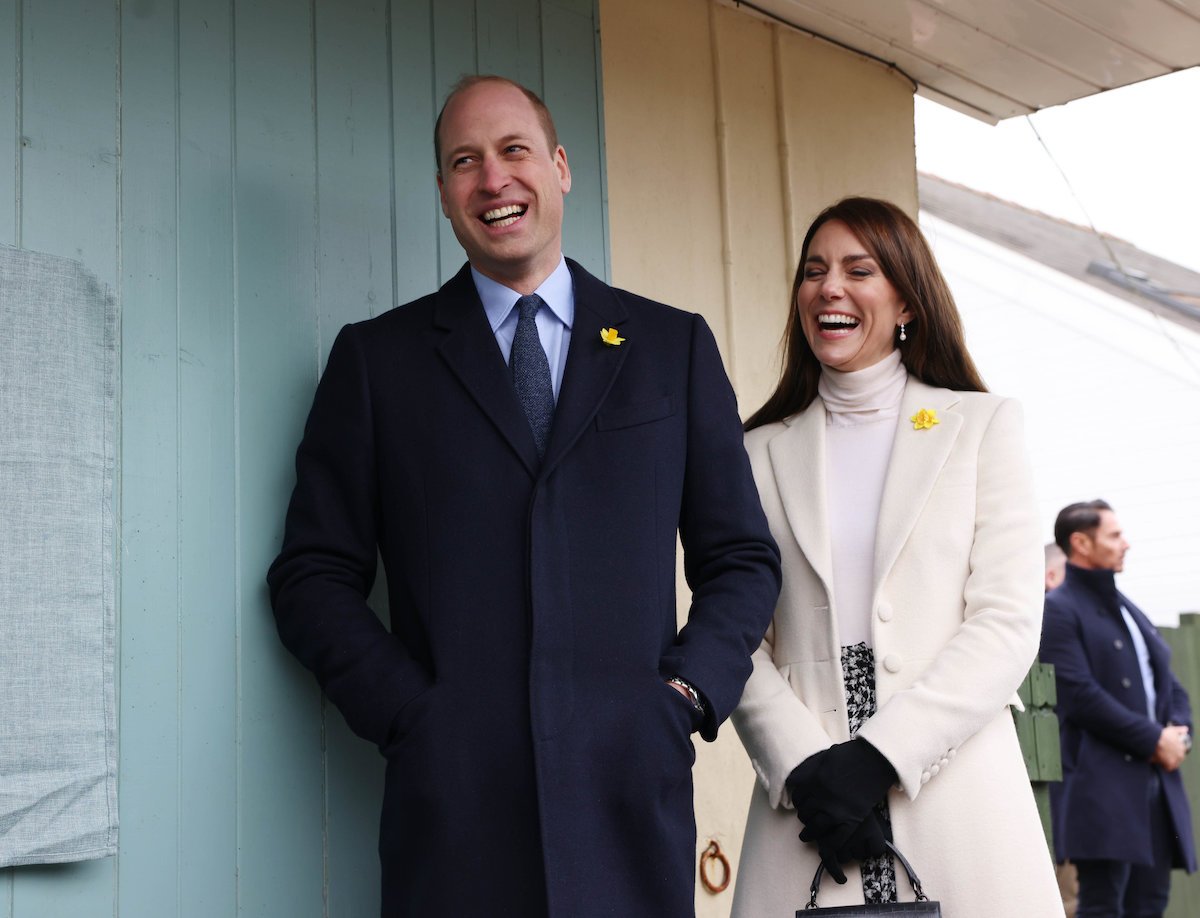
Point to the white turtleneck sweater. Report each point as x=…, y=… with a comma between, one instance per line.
x=862, y=410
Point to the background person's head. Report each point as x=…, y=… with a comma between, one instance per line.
x=1056, y=566
x=1090, y=535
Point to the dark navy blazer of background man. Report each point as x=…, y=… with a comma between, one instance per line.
x=1111, y=806
x=538, y=763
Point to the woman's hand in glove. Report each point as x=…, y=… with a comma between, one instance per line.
x=834, y=792
x=867, y=840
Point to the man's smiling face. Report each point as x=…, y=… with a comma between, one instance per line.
x=502, y=184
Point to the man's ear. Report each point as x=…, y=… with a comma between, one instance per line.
x=442, y=194
x=1080, y=543
x=564, y=171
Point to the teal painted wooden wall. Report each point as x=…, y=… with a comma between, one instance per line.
x=247, y=175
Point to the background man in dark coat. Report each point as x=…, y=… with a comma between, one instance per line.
x=1123, y=816
x=538, y=754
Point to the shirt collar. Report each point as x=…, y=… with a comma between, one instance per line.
x=557, y=291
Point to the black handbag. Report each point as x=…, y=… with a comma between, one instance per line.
x=922, y=908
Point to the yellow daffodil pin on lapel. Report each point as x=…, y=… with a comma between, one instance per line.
x=924, y=419
x=611, y=337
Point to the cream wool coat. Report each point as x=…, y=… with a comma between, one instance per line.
x=955, y=623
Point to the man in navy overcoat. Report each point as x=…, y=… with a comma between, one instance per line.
x=1122, y=815
x=533, y=696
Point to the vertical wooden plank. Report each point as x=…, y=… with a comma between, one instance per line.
x=1187, y=668
x=454, y=56
x=1023, y=721
x=1185, y=663
x=508, y=40
x=572, y=93
x=280, y=830
x=68, y=103
x=454, y=50
x=666, y=45
x=149, y=724
x=1188, y=671
x=208, y=649
x=10, y=125
x=598, y=79
x=69, y=120
x=757, y=275
x=817, y=177
x=416, y=212
x=1178, y=639
x=83, y=890
x=354, y=165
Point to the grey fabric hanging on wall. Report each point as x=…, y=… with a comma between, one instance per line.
x=58, y=757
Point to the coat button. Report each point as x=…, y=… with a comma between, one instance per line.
x=891, y=663
x=933, y=769
x=1118, y=643
x=951, y=753
x=1125, y=683
x=1128, y=757
x=924, y=777
x=884, y=612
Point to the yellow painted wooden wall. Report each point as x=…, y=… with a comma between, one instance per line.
x=725, y=134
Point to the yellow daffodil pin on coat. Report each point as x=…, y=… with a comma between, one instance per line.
x=924, y=419
x=610, y=337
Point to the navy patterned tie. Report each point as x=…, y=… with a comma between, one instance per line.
x=531, y=372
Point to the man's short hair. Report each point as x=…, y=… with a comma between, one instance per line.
x=1073, y=518
x=470, y=80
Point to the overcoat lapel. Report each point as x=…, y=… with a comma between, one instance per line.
x=916, y=461
x=798, y=464
x=592, y=366
x=471, y=352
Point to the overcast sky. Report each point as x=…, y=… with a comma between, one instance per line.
x=1131, y=154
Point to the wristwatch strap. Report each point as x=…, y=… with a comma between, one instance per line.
x=691, y=692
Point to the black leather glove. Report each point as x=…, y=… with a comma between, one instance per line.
x=834, y=791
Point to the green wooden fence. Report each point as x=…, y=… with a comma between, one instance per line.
x=1185, y=645
x=1037, y=730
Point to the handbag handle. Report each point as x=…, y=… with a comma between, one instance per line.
x=908, y=869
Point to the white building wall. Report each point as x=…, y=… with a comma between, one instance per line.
x=1112, y=403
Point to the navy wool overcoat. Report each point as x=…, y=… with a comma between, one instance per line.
x=1102, y=810
x=537, y=763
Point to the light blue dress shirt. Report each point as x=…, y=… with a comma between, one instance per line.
x=553, y=323
x=1143, y=658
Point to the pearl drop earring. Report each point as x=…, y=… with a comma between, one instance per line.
x=903, y=337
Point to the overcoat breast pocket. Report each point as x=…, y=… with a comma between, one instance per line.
x=616, y=417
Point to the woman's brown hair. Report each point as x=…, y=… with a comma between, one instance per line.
x=935, y=351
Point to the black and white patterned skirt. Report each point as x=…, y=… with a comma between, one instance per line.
x=858, y=672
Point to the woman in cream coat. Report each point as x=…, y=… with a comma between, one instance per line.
x=900, y=496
